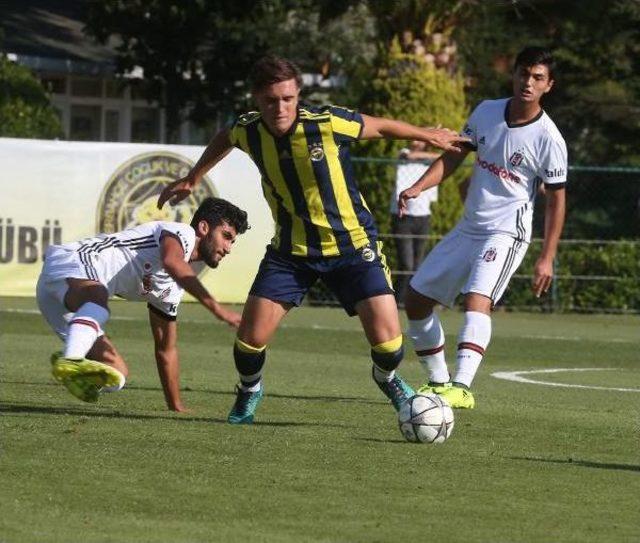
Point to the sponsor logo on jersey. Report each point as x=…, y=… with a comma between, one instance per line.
x=517, y=158
x=490, y=254
x=481, y=141
x=556, y=172
x=498, y=171
x=129, y=197
x=467, y=130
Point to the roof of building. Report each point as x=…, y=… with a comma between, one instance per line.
x=48, y=35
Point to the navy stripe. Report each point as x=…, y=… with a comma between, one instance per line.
x=283, y=220
x=327, y=194
x=365, y=219
x=292, y=180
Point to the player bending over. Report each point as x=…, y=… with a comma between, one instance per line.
x=324, y=229
x=149, y=262
x=517, y=147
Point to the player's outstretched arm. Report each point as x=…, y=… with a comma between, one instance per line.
x=442, y=138
x=554, y=214
x=437, y=172
x=165, y=337
x=219, y=147
x=173, y=262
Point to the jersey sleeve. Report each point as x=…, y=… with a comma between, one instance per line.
x=470, y=129
x=553, y=166
x=346, y=123
x=238, y=130
x=183, y=232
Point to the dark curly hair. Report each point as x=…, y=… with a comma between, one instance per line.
x=217, y=210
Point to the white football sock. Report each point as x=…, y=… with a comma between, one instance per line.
x=428, y=341
x=85, y=327
x=381, y=375
x=473, y=339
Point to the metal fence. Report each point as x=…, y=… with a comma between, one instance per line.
x=597, y=268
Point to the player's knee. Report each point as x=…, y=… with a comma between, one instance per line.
x=389, y=354
x=417, y=306
x=248, y=358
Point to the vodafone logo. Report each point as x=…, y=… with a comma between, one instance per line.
x=498, y=171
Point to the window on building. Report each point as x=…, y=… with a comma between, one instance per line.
x=145, y=125
x=85, y=123
x=86, y=86
x=54, y=84
x=112, y=125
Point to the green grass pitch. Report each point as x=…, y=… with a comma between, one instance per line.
x=325, y=460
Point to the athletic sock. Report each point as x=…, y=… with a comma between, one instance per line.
x=85, y=327
x=249, y=363
x=428, y=341
x=386, y=358
x=473, y=339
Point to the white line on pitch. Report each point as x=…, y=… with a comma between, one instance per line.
x=516, y=376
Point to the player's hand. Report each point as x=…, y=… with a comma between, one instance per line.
x=404, y=197
x=230, y=317
x=177, y=191
x=542, y=276
x=446, y=139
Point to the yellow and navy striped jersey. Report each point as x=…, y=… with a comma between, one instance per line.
x=308, y=181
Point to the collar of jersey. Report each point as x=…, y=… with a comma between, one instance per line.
x=519, y=125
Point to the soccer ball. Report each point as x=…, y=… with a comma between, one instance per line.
x=426, y=418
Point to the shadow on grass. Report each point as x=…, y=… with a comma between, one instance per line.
x=8, y=408
x=377, y=440
x=322, y=398
x=582, y=463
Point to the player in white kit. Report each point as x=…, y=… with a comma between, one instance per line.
x=151, y=263
x=518, y=148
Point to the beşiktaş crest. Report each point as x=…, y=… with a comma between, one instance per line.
x=517, y=158
x=131, y=194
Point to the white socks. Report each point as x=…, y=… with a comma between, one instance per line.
x=381, y=375
x=473, y=339
x=85, y=327
x=428, y=341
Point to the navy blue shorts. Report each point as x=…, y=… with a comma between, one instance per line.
x=354, y=277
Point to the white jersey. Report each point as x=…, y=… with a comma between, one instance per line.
x=407, y=173
x=128, y=263
x=511, y=162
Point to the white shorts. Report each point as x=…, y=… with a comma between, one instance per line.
x=59, y=264
x=461, y=264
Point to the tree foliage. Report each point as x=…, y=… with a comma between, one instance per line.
x=25, y=111
x=409, y=88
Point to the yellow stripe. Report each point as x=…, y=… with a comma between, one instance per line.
x=383, y=261
x=390, y=346
x=342, y=126
x=307, y=178
x=246, y=348
x=345, y=205
x=272, y=167
x=239, y=135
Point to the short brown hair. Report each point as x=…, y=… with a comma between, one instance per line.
x=272, y=69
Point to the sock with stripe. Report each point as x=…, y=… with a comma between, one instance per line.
x=428, y=341
x=85, y=327
x=386, y=358
x=249, y=363
x=473, y=339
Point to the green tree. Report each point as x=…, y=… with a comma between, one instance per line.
x=411, y=89
x=25, y=110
